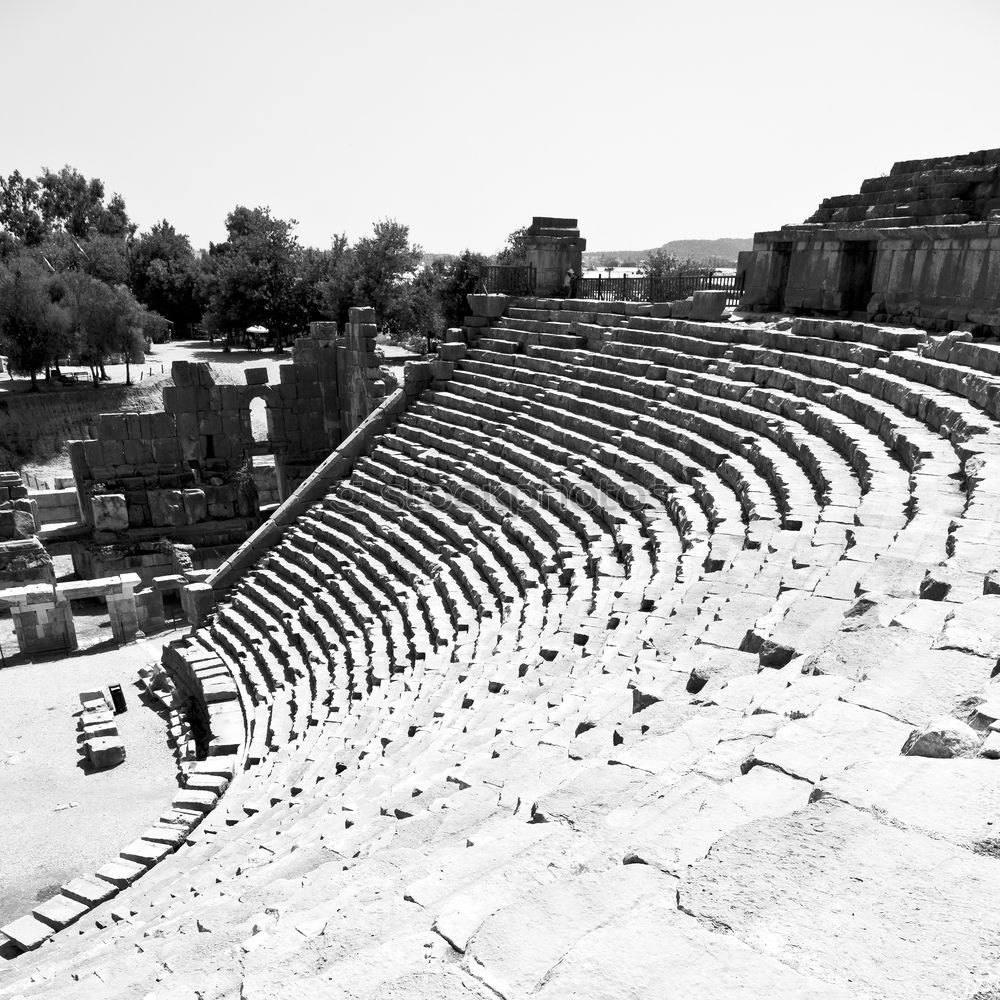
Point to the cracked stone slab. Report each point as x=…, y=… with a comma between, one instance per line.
x=973, y=628
x=680, y=826
x=836, y=894
x=835, y=736
x=657, y=951
x=957, y=800
x=899, y=675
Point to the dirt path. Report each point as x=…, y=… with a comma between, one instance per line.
x=46, y=840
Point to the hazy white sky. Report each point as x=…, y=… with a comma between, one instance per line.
x=648, y=120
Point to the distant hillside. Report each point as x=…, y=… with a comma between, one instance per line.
x=724, y=250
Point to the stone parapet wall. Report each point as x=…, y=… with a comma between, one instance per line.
x=43, y=613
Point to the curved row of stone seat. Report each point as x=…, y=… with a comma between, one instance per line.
x=760, y=502
x=775, y=415
x=973, y=441
x=764, y=458
x=546, y=437
x=466, y=781
x=930, y=465
x=539, y=348
x=874, y=417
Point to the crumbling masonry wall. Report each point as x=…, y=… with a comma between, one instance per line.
x=23, y=559
x=920, y=245
x=185, y=473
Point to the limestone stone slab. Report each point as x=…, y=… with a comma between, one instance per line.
x=145, y=852
x=973, y=628
x=809, y=623
x=89, y=890
x=829, y=891
x=679, y=826
x=120, y=873
x=835, y=736
x=105, y=751
x=60, y=911
x=27, y=932
x=658, y=951
x=957, y=799
x=514, y=964
x=899, y=674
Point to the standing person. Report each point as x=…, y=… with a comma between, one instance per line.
x=569, y=283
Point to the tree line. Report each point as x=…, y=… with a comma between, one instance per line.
x=77, y=279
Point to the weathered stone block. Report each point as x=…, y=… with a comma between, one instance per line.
x=174, y=511
x=105, y=751
x=708, y=305
x=194, y=506
x=110, y=512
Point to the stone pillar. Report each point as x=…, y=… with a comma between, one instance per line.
x=198, y=602
x=43, y=621
x=361, y=384
x=149, y=610
x=553, y=246
x=121, y=608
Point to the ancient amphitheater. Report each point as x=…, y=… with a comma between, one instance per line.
x=633, y=656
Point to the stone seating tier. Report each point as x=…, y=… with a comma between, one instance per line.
x=615, y=636
x=944, y=191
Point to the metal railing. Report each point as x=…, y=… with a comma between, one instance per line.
x=645, y=289
x=508, y=279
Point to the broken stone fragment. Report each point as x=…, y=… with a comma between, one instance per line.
x=943, y=737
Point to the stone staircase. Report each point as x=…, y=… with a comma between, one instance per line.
x=594, y=675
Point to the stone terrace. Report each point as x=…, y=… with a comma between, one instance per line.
x=593, y=680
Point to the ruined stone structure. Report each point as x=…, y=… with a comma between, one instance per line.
x=630, y=655
x=23, y=559
x=43, y=613
x=184, y=474
x=552, y=247
x=919, y=246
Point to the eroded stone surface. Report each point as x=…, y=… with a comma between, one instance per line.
x=823, y=891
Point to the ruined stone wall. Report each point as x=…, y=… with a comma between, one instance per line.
x=953, y=277
x=22, y=557
x=186, y=472
x=920, y=245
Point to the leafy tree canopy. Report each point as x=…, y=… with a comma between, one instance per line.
x=165, y=274
x=254, y=274
x=660, y=264
x=381, y=263
x=33, y=325
x=63, y=201
x=514, y=250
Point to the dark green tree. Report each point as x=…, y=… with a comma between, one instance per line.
x=254, y=276
x=105, y=321
x=165, y=275
x=67, y=200
x=660, y=265
x=460, y=278
x=20, y=213
x=33, y=327
x=514, y=250
x=382, y=263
